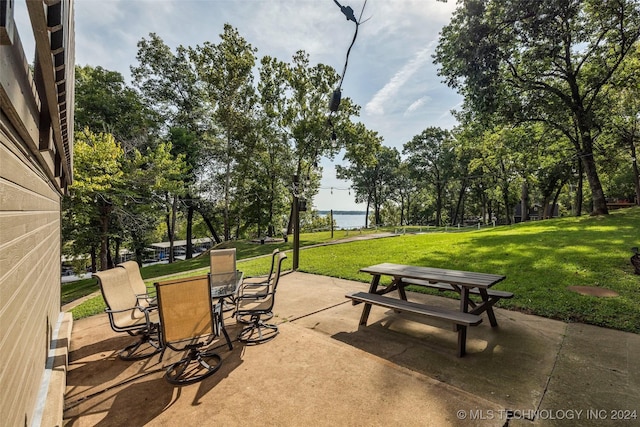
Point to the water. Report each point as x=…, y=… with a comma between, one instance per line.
x=348, y=221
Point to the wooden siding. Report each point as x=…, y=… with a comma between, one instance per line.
x=36, y=161
x=29, y=279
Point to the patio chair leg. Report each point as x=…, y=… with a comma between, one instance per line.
x=129, y=352
x=186, y=371
x=265, y=332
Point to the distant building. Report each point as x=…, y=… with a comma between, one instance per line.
x=160, y=250
x=535, y=212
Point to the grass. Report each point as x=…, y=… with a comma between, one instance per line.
x=540, y=259
x=72, y=291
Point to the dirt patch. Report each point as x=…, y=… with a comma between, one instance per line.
x=593, y=291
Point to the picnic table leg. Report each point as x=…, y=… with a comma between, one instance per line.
x=462, y=330
x=367, y=307
x=490, y=314
x=462, y=340
x=400, y=284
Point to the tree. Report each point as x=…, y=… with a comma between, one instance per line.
x=624, y=113
x=226, y=72
x=299, y=94
x=373, y=170
x=98, y=188
x=431, y=160
x=169, y=172
x=170, y=85
x=104, y=103
x=361, y=152
x=541, y=61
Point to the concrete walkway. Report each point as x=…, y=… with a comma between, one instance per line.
x=398, y=370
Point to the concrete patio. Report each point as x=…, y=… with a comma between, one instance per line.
x=322, y=369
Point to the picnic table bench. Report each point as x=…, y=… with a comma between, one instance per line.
x=463, y=282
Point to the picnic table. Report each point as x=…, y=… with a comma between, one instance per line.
x=465, y=283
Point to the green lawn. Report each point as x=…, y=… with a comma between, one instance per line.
x=540, y=259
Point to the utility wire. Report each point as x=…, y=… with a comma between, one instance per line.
x=347, y=11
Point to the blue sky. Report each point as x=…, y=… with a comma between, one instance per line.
x=390, y=73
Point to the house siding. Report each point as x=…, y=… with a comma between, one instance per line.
x=36, y=154
x=29, y=278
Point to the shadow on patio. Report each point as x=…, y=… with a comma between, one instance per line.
x=324, y=370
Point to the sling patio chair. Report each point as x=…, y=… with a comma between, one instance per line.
x=258, y=286
x=137, y=283
x=188, y=324
x=258, y=308
x=223, y=261
x=126, y=315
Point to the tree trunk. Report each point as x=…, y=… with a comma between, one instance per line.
x=212, y=230
x=636, y=176
x=438, y=205
x=190, y=209
x=555, y=198
x=524, y=202
x=172, y=235
x=117, y=251
x=171, y=223
x=366, y=217
x=505, y=199
x=290, y=222
x=227, y=185
x=458, y=216
x=376, y=208
x=104, y=236
x=579, y=190
x=93, y=259
x=597, y=193
x=110, y=263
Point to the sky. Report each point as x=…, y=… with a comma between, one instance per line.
x=390, y=72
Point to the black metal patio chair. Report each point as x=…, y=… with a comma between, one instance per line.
x=259, y=307
x=188, y=324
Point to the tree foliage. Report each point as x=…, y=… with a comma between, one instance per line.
x=546, y=61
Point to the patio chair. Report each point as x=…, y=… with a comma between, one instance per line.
x=188, y=324
x=223, y=261
x=258, y=286
x=258, y=308
x=137, y=283
x=126, y=315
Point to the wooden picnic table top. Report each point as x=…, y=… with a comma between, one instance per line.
x=431, y=274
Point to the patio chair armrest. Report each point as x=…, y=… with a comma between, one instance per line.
x=152, y=301
x=144, y=310
x=251, y=280
x=251, y=297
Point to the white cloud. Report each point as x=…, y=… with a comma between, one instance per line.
x=417, y=104
x=376, y=105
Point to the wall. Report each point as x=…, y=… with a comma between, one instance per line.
x=36, y=147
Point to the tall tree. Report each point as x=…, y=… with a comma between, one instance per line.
x=299, y=94
x=624, y=113
x=170, y=85
x=362, y=154
x=98, y=188
x=226, y=72
x=546, y=60
x=431, y=159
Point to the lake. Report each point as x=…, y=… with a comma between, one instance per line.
x=347, y=220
